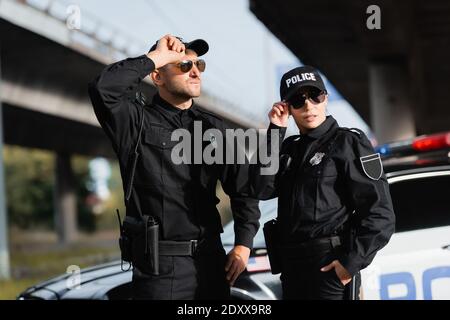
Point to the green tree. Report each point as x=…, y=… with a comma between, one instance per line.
x=30, y=181
x=29, y=176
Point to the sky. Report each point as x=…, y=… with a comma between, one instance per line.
x=245, y=62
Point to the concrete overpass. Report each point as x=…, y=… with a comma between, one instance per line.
x=45, y=68
x=396, y=77
x=45, y=71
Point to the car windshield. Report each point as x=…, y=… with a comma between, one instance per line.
x=268, y=211
x=421, y=203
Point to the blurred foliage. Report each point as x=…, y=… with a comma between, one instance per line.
x=30, y=179
x=29, y=176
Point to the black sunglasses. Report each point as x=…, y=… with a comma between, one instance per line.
x=186, y=65
x=298, y=101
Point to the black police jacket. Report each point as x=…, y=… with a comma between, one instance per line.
x=337, y=183
x=182, y=197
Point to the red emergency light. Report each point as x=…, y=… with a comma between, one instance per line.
x=432, y=142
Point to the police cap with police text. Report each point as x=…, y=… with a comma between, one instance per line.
x=199, y=46
x=299, y=77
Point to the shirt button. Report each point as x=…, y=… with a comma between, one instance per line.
x=163, y=143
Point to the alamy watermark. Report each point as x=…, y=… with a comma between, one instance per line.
x=230, y=148
x=374, y=20
x=73, y=20
x=73, y=282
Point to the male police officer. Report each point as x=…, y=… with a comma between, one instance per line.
x=330, y=184
x=181, y=198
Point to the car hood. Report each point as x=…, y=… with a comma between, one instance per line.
x=92, y=282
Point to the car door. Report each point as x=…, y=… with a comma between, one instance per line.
x=415, y=264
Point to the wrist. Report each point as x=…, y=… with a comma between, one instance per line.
x=242, y=248
x=156, y=58
x=276, y=125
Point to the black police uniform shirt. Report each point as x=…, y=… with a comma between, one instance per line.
x=182, y=197
x=324, y=177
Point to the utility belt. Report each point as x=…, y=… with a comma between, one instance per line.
x=140, y=244
x=178, y=248
x=311, y=247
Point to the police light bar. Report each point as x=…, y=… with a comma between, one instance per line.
x=395, y=148
x=419, y=144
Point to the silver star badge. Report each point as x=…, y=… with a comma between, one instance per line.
x=316, y=159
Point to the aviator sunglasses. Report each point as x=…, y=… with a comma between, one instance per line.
x=186, y=65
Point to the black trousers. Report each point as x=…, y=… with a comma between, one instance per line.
x=302, y=279
x=199, y=277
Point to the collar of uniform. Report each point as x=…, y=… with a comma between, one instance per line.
x=157, y=100
x=194, y=109
x=316, y=133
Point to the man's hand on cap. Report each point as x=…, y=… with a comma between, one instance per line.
x=168, y=50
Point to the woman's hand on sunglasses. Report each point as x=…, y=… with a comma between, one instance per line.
x=279, y=114
x=168, y=50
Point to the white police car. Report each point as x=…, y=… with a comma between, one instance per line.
x=415, y=264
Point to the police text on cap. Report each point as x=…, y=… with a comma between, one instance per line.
x=300, y=78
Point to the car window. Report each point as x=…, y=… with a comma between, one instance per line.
x=421, y=202
x=268, y=211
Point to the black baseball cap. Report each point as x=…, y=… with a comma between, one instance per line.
x=297, y=78
x=200, y=46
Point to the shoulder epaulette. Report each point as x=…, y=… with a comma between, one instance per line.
x=353, y=130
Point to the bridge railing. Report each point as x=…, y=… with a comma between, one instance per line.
x=101, y=40
x=90, y=31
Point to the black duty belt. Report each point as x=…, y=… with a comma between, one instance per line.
x=311, y=247
x=177, y=248
x=210, y=245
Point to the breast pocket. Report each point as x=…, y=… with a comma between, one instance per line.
x=327, y=179
x=156, y=149
x=159, y=137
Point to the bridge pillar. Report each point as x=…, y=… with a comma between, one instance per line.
x=390, y=102
x=65, y=200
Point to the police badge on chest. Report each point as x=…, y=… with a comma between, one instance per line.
x=317, y=158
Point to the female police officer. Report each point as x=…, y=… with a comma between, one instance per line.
x=330, y=184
